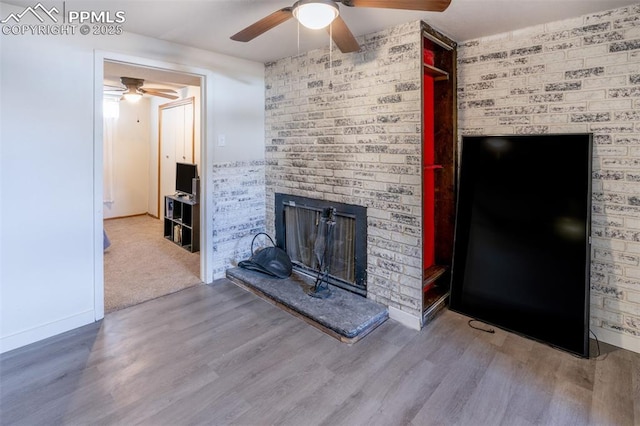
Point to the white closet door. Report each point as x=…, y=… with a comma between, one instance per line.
x=176, y=143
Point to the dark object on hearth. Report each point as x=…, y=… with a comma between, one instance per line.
x=269, y=260
x=322, y=249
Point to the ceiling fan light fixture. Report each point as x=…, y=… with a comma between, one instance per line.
x=132, y=96
x=315, y=14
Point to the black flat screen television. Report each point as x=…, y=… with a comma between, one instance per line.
x=522, y=240
x=185, y=173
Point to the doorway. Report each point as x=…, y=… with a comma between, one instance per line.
x=171, y=74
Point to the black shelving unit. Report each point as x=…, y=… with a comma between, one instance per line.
x=182, y=222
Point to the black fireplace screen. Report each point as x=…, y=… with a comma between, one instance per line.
x=297, y=220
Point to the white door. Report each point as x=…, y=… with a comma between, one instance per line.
x=176, y=144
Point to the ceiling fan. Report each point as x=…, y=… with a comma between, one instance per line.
x=133, y=90
x=316, y=14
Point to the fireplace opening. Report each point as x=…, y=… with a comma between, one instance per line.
x=297, y=220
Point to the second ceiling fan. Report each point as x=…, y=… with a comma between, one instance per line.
x=316, y=14
x=134, y=89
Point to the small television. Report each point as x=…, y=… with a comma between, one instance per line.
x=522, y=241
x=185, y=174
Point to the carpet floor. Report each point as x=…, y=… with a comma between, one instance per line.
x=141, y=264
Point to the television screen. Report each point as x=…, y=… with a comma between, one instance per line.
x=185, y=173
x=522, y=249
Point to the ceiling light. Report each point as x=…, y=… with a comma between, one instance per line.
x=315, y=14
x=132, y=96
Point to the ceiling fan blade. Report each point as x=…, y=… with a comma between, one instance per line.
x=343, y=37
x=263, y=25
x=159, y=90
x=154, y=93
x=426, y=5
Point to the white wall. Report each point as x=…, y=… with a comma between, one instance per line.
x=47, y=166
x=130, y=160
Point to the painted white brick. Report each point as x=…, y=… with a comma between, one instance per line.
x=619, y=306
x=632, y=272
x=550, y=118
x=606, y=82
x=409, y=179
x=568, y=107
x=597, y=300
x=604, y=221
x=610, y=105
x=632, y=247
x=607, y=60
x=585, y=95
x=632, y=223
x=548, y=77
x=405, y=239
x=597, y=50
x=601, y=314
x=623, y=187
x=633, y=297
x=621, y=258
x=608, y=151
x=622, y=69
x=482, y=121
x=568, y=128
x=624, y=283
x=632, y=33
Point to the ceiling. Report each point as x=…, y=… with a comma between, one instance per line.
x=208, y=24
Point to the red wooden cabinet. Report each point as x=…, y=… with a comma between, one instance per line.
x=439, y=140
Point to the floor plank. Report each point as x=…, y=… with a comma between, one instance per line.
x=219, y=355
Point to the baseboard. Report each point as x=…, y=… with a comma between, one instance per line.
x=620, y=340
x=132, y=215
x=405, y=318
x=35, y=334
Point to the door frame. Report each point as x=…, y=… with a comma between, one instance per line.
x=206, y=159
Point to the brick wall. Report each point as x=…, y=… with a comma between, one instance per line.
x=238, y=194
x=577, y=75
x=353, y=136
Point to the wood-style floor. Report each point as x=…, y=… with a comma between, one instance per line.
x=219, y=355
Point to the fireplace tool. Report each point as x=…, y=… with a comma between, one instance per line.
x=322, y=250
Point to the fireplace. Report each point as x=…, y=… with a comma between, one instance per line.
x=297, y=220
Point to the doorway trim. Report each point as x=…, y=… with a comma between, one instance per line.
x=206, y=159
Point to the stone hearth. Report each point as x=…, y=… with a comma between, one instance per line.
x=343, y=315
